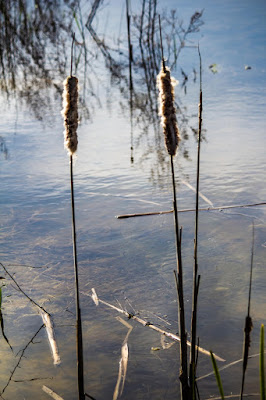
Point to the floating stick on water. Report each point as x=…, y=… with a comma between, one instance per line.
x=122, y=216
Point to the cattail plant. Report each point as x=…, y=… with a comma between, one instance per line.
x=171, y=134
x=70, y=115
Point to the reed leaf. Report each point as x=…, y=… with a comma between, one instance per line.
x=262, y=373
x=217, y=375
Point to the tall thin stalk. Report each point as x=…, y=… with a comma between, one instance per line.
x=262, y=373
x=130, y=47
x=79, y=340
x=70, y=115
x=196, y=277
x=171, y=133
x=248, y=322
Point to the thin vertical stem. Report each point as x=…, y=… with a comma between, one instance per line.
x=248, y=322
x=183, y=376
x=196, y=277
x=78, y=313
x=72, y=49
x=161, y=42
x=130, y=47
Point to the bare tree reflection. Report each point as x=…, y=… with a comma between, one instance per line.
x=33, y=49
x=138, y=89
x=34, y=38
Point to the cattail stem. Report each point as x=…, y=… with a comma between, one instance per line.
x=183, y=375
x=70, y=115
x=196, y=277
x=171, y=135
x=248, y=322
x=79, y=340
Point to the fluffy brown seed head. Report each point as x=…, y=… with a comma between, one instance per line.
x=167, y=110
x=70, y=113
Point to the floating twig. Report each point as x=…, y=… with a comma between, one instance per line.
x=123, y=216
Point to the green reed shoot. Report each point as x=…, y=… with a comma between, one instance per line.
x=217, y=375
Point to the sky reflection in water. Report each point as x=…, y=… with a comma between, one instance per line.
x=133, y=259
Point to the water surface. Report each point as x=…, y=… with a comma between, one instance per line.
x=122, y=167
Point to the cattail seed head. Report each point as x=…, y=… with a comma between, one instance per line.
x=167, y=109
x=70, y=113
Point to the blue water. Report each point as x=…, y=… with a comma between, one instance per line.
x=130, y=262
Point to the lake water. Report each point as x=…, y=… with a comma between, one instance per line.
x=122, y=167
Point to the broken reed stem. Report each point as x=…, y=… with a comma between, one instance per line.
x=196, y=277
x=248, y=322
x=123, y=216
